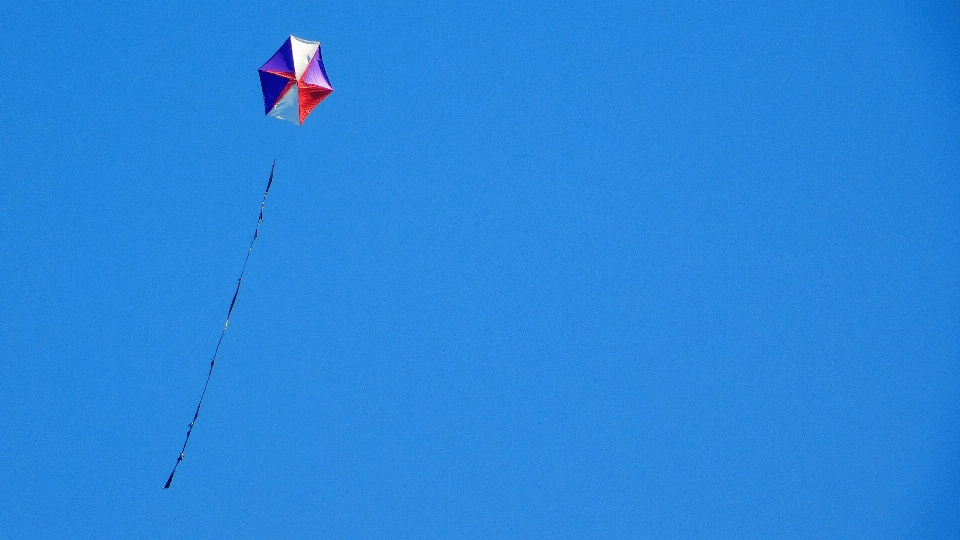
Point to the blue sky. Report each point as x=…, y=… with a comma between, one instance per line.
x=534, y=270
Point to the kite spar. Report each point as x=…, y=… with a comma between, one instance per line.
x=294, y=82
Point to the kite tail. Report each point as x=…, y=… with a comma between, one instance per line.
x=233, y=302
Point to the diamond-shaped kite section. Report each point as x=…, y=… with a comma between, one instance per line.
x=294, y=81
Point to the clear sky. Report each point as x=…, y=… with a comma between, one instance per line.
x=534, y=270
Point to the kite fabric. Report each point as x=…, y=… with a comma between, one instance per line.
x=224, y=331
x=294, y=80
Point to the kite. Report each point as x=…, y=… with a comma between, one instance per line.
x=294, y=80
x=293, y=83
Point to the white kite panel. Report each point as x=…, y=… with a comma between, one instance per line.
x=288, y=108
x=303, y=52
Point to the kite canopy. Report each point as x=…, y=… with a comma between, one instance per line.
x=294, y=81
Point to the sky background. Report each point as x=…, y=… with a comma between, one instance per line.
x=534, y=270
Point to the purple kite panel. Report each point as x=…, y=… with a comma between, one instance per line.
x=282, y=60
x=316, y=75
x=272, y=86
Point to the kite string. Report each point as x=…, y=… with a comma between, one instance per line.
x=224, y=331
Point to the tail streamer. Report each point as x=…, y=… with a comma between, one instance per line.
x=233, y=302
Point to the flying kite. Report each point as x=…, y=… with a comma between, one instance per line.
x=293, y=83
x=294, y=80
